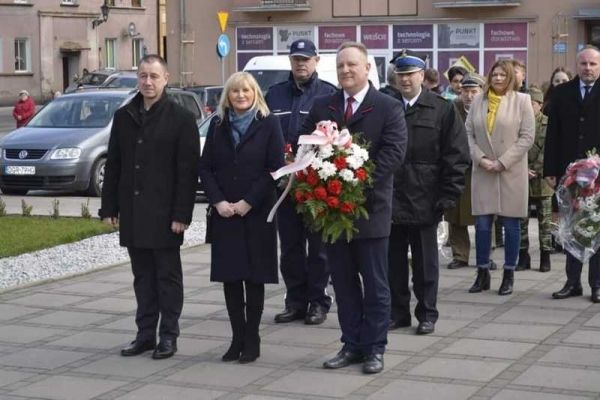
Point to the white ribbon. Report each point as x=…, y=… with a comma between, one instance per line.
x=326, y=134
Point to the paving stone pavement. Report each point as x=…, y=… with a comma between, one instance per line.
x=61, y=341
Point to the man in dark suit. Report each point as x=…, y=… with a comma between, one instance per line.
x=573, y=129
x=428, y=183
x=304, y=268
x=379, y=118
x=149, y=190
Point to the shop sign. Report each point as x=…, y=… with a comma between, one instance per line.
x=255, y=38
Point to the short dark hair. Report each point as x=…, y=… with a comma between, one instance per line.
x=152, y=58
x=457, y=70
x=361, y=47
x=432, y=75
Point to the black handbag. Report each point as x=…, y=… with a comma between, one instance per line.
x=209, y=213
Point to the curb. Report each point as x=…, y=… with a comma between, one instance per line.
x=81, y=273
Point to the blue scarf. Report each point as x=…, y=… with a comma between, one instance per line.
x=239, y=124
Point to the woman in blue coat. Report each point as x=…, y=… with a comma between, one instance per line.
x=244, y=144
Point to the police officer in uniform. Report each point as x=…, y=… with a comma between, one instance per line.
x=428, y=183
x=305, y=270
x=540, y=192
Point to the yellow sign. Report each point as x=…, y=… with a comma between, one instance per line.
x=223, y=19
x=461, y=62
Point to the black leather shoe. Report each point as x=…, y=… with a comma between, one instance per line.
x=165, y=349
x=596, y=295
x=425, y=328
x=373, y=364
x=569, y=290
x=137, y=347
x=316, y=315
x=524, y=260
x=289, y=314
x=456, y=264
x=398, y=322
x=343, y=359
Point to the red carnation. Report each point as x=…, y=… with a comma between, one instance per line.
x=312, y=179
x=334, y=187
x=347, y=207
x=308, y=196
x=332, y=202
x=340, y=162
x=320, y=193
x=288, y=148
x=299, y=196
x=360, y=174
x=301, y=176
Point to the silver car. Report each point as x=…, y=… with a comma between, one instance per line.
x=63, y=147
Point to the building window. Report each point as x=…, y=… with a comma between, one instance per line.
x=111, y=3
x=22, y=55
x=136, y=3
x=21, y=1
x=68, y=2
x=111, y=47
x=137, y=52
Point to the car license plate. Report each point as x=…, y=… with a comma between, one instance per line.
x=19, y=170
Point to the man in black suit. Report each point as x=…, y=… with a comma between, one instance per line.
x=573, y=129
x=380, y=119
x=149, y=191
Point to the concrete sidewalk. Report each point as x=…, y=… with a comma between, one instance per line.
x=62, y=340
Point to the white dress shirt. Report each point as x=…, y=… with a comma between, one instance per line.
x=411, y=102
x=358, y=98
x=582, y=86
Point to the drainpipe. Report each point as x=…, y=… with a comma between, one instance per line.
x=181, y=39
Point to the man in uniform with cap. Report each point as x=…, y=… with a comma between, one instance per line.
x=428, y=183
x=305, y=271
x=460, y=217
x=540, y=192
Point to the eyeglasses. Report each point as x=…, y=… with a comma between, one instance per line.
x=500, y=75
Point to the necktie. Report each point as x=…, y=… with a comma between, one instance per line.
x=349, y=112
x=407, y=106
x=586, y=89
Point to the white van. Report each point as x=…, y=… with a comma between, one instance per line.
x=269, y=70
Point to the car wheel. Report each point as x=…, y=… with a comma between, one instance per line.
x=15, y=192
x=97, y=178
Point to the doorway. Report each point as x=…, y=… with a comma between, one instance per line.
x=593, y=33
x=70, y=68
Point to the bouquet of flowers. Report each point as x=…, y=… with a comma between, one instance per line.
x=578, y=196
x=328, y=180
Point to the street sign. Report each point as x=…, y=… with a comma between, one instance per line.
x=223, y=46
x=223, y=19
x=559, y=48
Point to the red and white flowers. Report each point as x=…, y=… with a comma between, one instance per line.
x=578, y=196
x=328, y=180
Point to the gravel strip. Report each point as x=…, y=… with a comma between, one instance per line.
x=67, y=259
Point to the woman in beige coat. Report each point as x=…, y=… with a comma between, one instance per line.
x=501, y=129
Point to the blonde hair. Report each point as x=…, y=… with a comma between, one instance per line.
x=239, y=79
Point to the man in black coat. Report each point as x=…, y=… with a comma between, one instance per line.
x=428, y=183
x=149, y=191
x=305, y=271
x=363, y=316
x=574, y=129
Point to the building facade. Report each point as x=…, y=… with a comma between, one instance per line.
x=45, y=44
x=475, y=33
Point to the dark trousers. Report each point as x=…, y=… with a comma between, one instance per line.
x=158, y=286
x=363, y=307
x=305, y=273
x=425, y=270
x=574, y=267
